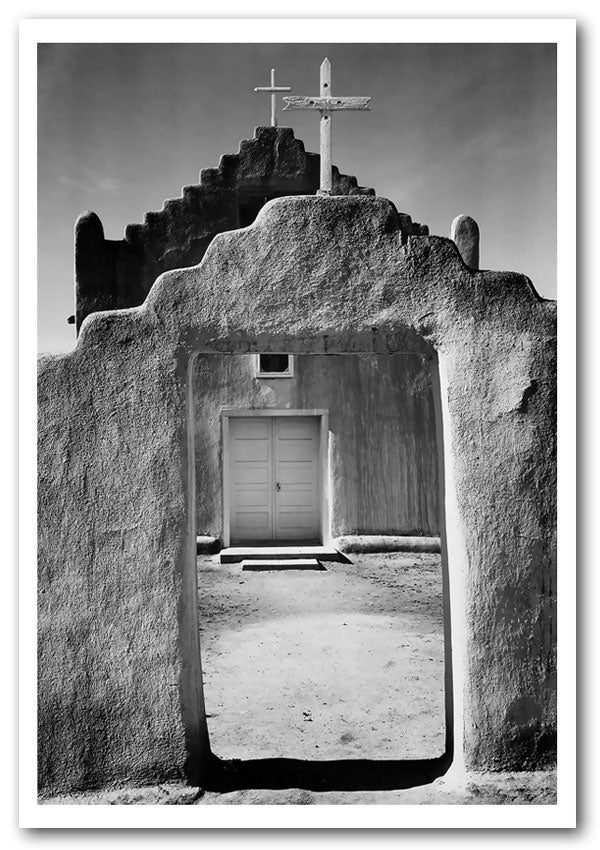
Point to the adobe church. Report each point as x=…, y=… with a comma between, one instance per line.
x=273, y=359
x=372, y=470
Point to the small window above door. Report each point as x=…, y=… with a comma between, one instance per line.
x=273, y=366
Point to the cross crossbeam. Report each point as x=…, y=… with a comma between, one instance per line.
x=326, y=104
x=330, y=104
x=273, y=90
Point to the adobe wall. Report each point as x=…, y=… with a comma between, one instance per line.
x=383, y=464
x=119, y=675
x=118, y=671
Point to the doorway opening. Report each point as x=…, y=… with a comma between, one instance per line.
x=340, y=678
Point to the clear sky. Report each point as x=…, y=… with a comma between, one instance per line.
x=454, y=128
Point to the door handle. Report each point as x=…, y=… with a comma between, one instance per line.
x=278, y=486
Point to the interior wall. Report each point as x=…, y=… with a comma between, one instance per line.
x=383, y=471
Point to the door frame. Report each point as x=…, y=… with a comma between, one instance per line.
x=323, y=455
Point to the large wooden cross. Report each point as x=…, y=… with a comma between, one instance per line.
x=326, y=104
x=272, y=90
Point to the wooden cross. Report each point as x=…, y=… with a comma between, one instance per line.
x=273, y=89
x=326, y=104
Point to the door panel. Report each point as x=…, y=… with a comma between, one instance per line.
x=274, y=479
x=295, y=475
x=251, y=477
x=297, y=427
x=253, y=474
x=296, y=466
x=296, y=451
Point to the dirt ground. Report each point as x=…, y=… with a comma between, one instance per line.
x=347, y=663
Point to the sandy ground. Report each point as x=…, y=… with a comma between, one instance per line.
x=346, y=663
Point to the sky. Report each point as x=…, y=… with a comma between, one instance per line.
x=453, y=128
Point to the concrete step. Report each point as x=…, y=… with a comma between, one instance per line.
x=283, y=564
x=234, y=554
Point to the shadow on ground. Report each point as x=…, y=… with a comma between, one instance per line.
x=341, y=775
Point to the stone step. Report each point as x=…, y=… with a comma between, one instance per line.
x=234, y=554
x=283, y=564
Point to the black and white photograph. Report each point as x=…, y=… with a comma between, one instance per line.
x=297, y=421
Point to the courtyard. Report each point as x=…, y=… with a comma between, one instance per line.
x=346, y=663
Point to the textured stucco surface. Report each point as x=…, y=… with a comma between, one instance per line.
x=382, y=468
x=118, y=646
x=119, y=673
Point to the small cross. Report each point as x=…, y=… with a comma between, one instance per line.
x=326, y=104
x=273, y=89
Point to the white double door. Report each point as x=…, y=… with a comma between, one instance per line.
x=274, y=479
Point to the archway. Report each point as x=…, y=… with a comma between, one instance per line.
x=319, y=771
x=117, y=532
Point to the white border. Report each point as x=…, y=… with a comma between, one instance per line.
x=297, y=30
x=561, y=31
